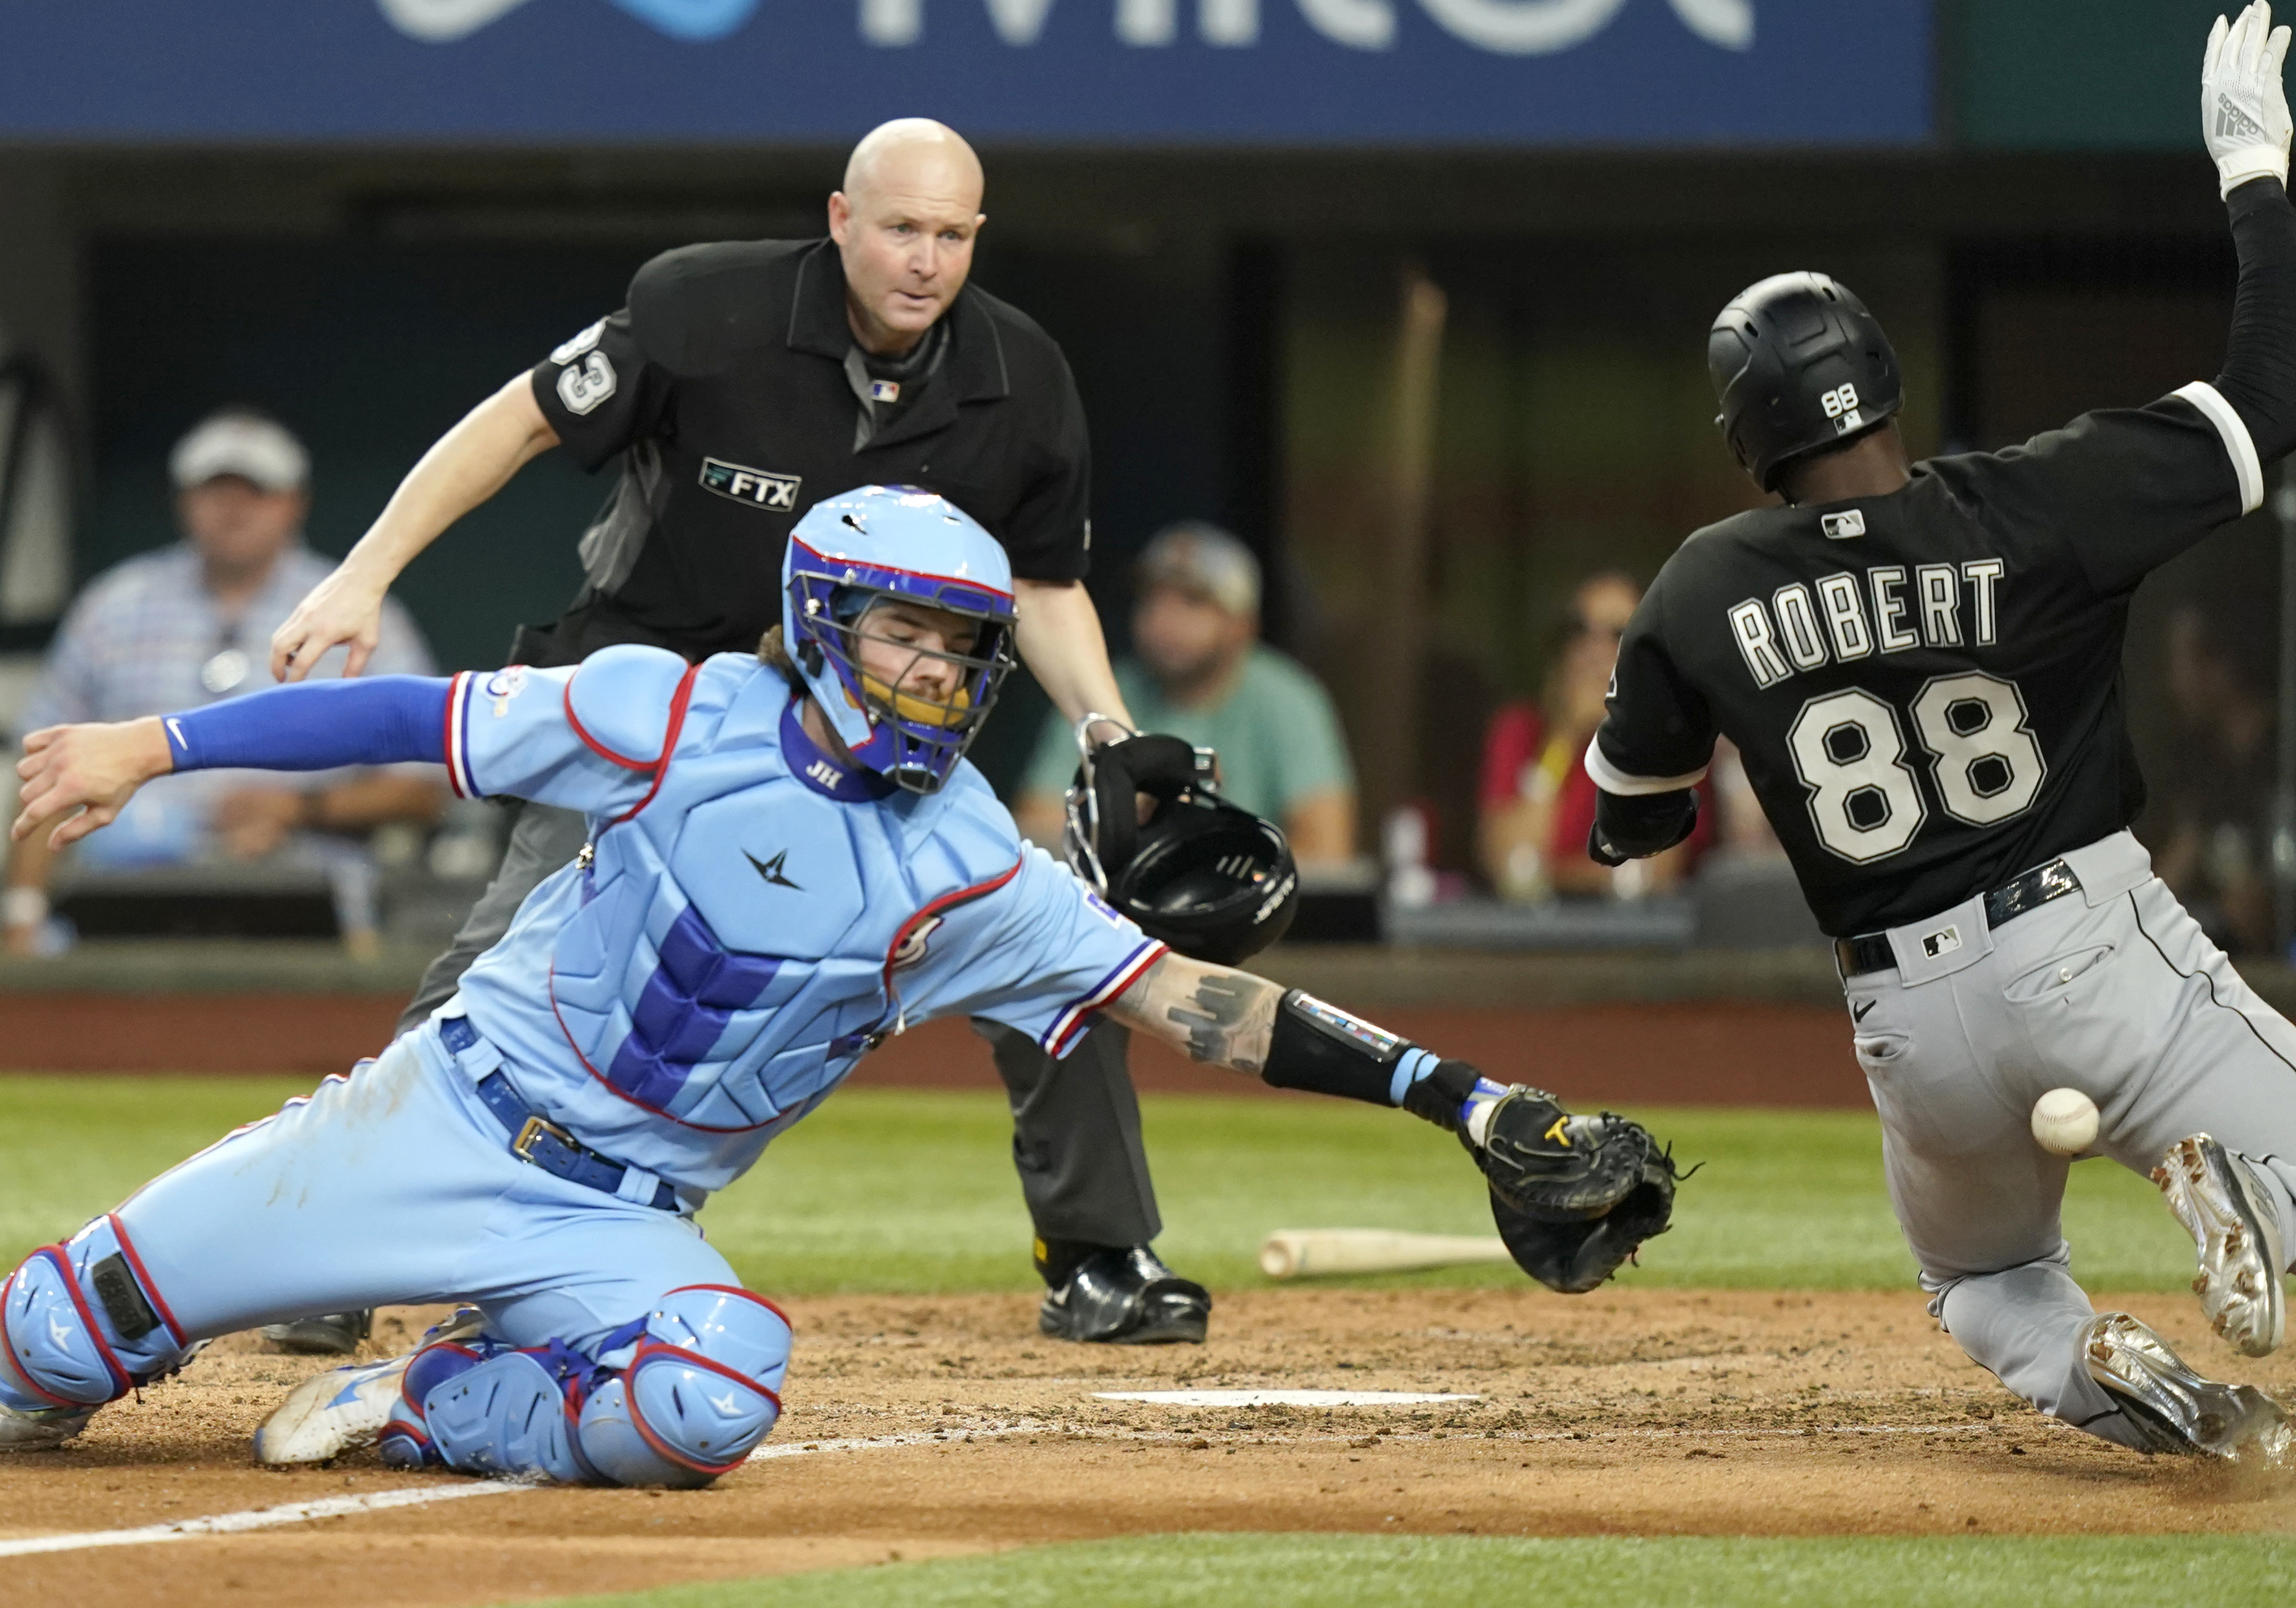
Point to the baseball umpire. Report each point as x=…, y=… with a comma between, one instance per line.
x=1922, y=667
x=743, y=382
x=789, y=861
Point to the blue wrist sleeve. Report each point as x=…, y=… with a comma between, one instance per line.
x=317, y=725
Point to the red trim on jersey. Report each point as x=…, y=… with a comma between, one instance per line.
x=446, y=732
x=945, y=902
x=600, y=748
x=1069, y=1024
x=677, y=703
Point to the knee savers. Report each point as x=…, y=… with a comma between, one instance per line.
x=79, y=1325
x=696, y=1395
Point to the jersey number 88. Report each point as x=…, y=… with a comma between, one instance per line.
x=1865, y=801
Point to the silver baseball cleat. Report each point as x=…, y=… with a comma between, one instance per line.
x=2235, y=1233
x=2176, y=1409
x=42, y=1430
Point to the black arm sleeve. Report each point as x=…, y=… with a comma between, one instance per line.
x=2259, y=368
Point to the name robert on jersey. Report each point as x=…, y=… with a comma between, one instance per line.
x=1854, y=614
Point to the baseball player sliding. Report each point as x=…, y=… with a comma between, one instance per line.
x=789, y=861
x=1923, y=668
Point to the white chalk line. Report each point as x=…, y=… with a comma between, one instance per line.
x=339, y=1507
x=261, y=1518
x=416, y=1495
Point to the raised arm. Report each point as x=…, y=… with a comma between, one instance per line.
x=466, y=466
x=82, y=776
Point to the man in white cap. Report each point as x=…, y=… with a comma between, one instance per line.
x=189, y=624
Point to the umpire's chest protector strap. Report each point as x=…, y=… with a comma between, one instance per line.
x=1323, y=1049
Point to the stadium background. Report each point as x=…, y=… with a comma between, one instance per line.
x=363, y=215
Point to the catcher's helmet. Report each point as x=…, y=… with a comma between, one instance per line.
x=1799, y=367
x=879, y=543
x=1213, y=881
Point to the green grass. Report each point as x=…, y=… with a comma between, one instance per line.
x=909, y=1191
x=1332, y=1571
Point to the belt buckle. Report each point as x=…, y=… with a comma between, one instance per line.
x=522, y=1146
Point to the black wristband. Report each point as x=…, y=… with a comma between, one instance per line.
x=1324, y=1050
x=1438, y=1096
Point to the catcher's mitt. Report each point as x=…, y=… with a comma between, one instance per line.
x=1573, y=1196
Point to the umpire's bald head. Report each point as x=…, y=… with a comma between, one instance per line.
x=905, y=222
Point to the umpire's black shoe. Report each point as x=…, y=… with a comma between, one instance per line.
x=1126, y=1298
x=334, y=1335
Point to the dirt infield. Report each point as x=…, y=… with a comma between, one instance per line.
x=1707, y=1052
x=946, y=1425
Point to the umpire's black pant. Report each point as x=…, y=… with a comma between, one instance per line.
x=1076, y=1123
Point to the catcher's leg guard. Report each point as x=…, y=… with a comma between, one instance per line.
x=80, y=1324
x=689, y=1392
x=701, y=1389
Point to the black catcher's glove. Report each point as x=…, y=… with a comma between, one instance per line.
x=1573, y=1196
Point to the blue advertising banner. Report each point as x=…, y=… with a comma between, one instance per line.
x=1132, y=72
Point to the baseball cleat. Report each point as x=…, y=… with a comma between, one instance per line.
x=41, y=1430
x=1126, y=1298
x=344, y=1409
x=2229, y=1213
x=329, y=1414
x=332, y=1334
x=2174, y=1409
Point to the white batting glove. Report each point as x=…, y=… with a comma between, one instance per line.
x=2243, y=106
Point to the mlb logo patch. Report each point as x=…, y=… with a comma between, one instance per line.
x=884, y=390
x=1841, y=527
x=759, y=488
x=1945, y=940
x=1101, y=905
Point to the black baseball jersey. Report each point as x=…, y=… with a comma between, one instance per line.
x=731, y=393
x=1926, y=686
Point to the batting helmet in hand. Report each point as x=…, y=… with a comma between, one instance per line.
x=1213, y=881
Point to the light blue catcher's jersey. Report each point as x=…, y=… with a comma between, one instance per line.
x=753, y=918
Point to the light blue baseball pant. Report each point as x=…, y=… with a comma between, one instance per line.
x=396, y=1185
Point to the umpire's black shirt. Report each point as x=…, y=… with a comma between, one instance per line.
x=732, y=392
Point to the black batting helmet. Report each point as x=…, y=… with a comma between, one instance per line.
x=1213, y=881
x=1211, y=878
x=1799, y=367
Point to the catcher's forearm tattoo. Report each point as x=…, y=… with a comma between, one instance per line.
x=1222, y=1017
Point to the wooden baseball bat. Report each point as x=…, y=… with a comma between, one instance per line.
x=1308, y=1253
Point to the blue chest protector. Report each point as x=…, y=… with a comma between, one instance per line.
x=752, y=917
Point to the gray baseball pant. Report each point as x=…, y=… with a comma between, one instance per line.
x=1076, y=1136
x=2112, y=990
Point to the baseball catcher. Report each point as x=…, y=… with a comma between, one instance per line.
x=790, y=861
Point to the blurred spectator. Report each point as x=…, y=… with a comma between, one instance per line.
x=2217, y=853
x=1201, y=672
x=1537, y=801
x=190, y=624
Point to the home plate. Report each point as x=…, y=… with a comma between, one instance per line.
x=1237, y=1399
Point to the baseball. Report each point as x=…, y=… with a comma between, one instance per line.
x=2065, y=1122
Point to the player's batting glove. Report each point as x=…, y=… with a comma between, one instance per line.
x=1573, y=1196
x=2243, y=103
